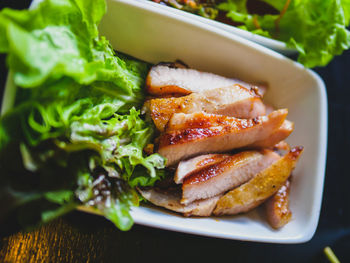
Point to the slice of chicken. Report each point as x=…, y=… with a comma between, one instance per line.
x=234, y=101
x=164, y=80
x=207, y=133
x=225, y=175
x=190, y=166
x=277, y=207
x=171, y=200
x=277, y=136
x=261, y=187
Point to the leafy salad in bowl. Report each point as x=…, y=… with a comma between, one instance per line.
x=316, y=29
x=77, y=102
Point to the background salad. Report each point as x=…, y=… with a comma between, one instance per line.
x=315, y=28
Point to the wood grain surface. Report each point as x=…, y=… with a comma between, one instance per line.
x=77, y=237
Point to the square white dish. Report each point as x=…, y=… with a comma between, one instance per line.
x=273, y=44
x=154, y=35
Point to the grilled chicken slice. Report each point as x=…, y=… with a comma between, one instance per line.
x=277, y=207
x=164, y=80
x=206, y=133
x=260, y=188
x=225, y=175
x=170, y=199
x=190, y=166
x=281, y=147
x=277, y=136
x=234, y=101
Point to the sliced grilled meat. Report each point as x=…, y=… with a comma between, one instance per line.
x=170, y=199
x=234, y=101
x=190, y=166
x=164, y=80
x=277, y=207
x=260, y=188
x=225, y=175
x=277, y=136
x=207, y=133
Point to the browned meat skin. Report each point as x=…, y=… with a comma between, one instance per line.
x=163, y=80
x=279, y=135
x=225, y=175
x=187, y=167
x=260, y=188
x=234, y=101
x=216, y=134
x=277, y=207
x=181, y=121
x=171, y=201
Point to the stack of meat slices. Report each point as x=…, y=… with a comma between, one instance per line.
x=223, y=144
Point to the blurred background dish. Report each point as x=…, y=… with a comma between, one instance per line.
x=273, y=44
x=316, y=29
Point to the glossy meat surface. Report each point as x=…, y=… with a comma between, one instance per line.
x=234, y=101
x=225, y=175
x=260, y=188
x=277, y=136
x=164, y=80
x=205, y=133
x=190, y=166
x=277, y=209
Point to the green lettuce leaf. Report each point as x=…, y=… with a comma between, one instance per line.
x=316, y=28
x=346, y=7
x=75, y=118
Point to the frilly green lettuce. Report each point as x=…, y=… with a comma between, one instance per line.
x=315, y=28
x=75, y=135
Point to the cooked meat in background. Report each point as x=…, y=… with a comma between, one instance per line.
x=260, y=188
x=234, y=101
x=170, y=199
x=207, y=133
x=277, y=209
x=231, y=172
x=164, y=80
x=190, y=166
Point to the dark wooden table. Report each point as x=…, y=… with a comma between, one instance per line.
x=80, y=237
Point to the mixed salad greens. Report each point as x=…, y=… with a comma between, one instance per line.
x=75, y=135
x=315, y=28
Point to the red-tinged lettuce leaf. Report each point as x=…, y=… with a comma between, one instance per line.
x=316, y=28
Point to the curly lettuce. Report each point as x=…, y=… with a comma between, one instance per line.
x=315, y=28
x=75, y=135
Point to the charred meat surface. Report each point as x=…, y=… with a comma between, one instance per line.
x=224, y=147
x=234, y=101
x=225, y=175
x=190, y=166
x=277, y=209
x=206, y=133
x=261, y=187
x=277, y=136
x=164, y=80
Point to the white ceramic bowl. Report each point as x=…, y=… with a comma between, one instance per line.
x=152, y=34
x=273, y=44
